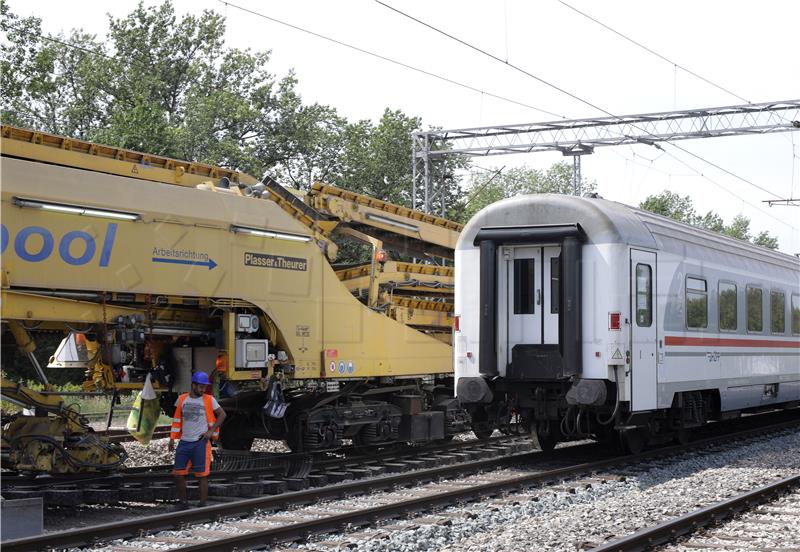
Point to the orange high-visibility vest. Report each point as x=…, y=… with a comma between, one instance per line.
x=177, y=421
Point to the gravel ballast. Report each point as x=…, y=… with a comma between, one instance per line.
x=576, y=519
x=157, y=453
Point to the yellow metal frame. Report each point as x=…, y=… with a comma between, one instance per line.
x=405, y=277
x=307, y=309
x=325, y=192
x=70, y=152
x=437, y=234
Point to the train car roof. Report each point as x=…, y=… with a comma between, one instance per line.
x=606, y=221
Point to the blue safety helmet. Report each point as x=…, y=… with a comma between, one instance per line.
x=201, y=378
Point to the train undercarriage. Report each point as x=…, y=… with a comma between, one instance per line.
x=548, y=412
x=409, y=410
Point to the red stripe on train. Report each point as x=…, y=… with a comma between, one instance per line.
x=721, y=342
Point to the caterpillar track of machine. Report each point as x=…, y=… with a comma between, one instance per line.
x=153, y=265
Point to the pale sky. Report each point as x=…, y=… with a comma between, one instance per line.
x=750, y=49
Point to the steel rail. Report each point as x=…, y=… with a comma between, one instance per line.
x=163, y=473
x=669, y=530
x=131, y=528
x=122, y=435
x=89, y=535
x=304, y=529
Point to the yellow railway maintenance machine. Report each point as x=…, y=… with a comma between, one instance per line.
x=153, y=265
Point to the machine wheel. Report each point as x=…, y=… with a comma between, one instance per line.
x=482, y=431
x=294, y=433
x=682, y=436
x=547, y=436
x=633, y=440
x=373, y=434
x=233, y=434
x=482, y=427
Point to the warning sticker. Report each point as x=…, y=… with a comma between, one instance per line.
x=350, y=367
x=341, y=367
x=333, y=366
x=617, y=355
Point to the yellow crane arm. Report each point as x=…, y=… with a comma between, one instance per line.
x=400, y=228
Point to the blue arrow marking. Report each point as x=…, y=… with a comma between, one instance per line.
x=209, y=263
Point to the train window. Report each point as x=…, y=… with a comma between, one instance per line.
x=644, y=295
x=523, y=286
x=727, y=306
x=777, y=312
x=696, y=303
x=554, y=278
x=755, y=309
x=795, y=314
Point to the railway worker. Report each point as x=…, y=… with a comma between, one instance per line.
x=198, y=417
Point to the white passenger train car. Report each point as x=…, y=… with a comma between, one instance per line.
x=588, y=317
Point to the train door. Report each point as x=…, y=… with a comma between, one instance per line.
x=644, y=336
x=519, y=316
x=551, y=303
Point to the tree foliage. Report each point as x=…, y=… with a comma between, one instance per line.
x=672, y=205
x=158, y=83
x=486, y=187
x=376, y=158
x=168, y=85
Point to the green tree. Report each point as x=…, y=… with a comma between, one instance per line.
x=47, y=83
x=711, y=221
x=739, y=228
x=672, y=205
x=377, y=157
x=166, y=85
x=486, y=187
x=764, y=239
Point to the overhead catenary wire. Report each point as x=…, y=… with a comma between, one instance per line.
x=674, y=64
x=410, y=67
x=724, y=189
x=474, y=194
x=388, y=59
x=650, y=50
x=570, y=94
x=494, y=57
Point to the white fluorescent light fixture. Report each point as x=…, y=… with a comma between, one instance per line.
x=74, y=209
x=269, y=234
x=391, y=222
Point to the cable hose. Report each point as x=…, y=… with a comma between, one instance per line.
x=564, y=426
x=76, y=330
x=613, y=415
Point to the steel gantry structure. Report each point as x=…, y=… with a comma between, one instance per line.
x=577, y=137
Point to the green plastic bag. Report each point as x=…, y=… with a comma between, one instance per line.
x=145, y=413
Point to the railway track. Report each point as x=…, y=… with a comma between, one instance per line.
x=462, y=482
x=123, y=436
x=272, y=474
x=749, y=535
